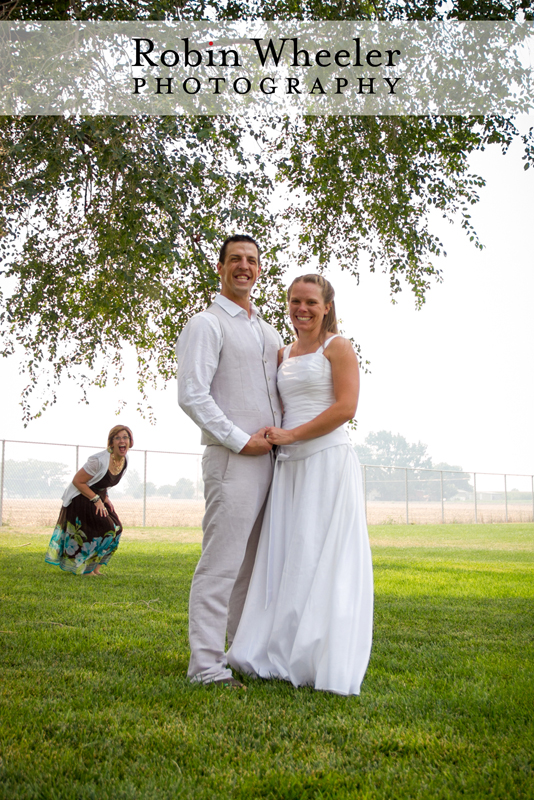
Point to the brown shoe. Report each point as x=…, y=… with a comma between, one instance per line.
x=229, y=683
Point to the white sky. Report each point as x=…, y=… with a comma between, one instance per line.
x=457, y=375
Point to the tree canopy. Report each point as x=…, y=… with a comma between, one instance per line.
x=33, y=478
x=387, y=455
x=110, y=226
x=393, y=450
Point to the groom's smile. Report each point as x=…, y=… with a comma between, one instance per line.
x=240, y=270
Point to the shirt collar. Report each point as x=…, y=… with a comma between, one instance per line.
x=233, y=309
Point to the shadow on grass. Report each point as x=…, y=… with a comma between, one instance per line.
x=95, y=702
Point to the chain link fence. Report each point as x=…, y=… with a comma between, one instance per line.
x=158, y=488
x=164, y=489
x=427, y=496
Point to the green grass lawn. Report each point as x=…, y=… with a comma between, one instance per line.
x=95, y=702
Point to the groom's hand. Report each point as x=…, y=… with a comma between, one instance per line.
x=257, y=445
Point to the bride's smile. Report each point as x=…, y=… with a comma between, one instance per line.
x=307, y=309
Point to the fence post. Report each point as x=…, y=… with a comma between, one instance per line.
x=144, y=492
x=505, y=501
x=365, y=489
x=406, y=492
x=442, y=509
x=77, y=456
x=2, y=482
x=475, y=494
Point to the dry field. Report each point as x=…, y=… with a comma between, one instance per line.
x=159, y=512
x=163, y=512
x=430, y=513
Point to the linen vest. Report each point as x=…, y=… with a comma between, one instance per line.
x=244, y=384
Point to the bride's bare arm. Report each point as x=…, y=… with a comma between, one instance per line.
x=346, y=378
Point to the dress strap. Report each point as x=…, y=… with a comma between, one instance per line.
x=327, y=342
x=287, y=350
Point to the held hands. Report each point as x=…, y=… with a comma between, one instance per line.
x=257, y=445
x=279, y=436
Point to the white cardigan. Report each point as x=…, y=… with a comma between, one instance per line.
x=96, y=465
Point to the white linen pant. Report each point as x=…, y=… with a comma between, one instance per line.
x=235, y=490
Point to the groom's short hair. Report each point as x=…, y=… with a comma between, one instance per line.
x=238, y=237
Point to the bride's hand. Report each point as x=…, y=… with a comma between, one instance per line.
x=279, y=436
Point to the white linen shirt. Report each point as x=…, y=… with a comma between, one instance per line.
x=197, y=351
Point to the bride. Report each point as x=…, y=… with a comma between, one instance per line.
x=309, y=609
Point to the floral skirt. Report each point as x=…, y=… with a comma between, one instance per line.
x=82, y=539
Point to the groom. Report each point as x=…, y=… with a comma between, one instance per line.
x=227, y=362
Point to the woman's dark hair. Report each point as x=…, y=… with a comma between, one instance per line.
x=239, y=237
x=327, y=292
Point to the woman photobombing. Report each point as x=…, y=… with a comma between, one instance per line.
x=88, y=530
x=309, y=608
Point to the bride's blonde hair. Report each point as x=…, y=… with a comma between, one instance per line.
x=327, y=293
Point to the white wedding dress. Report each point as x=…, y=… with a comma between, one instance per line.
x=308, y=614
